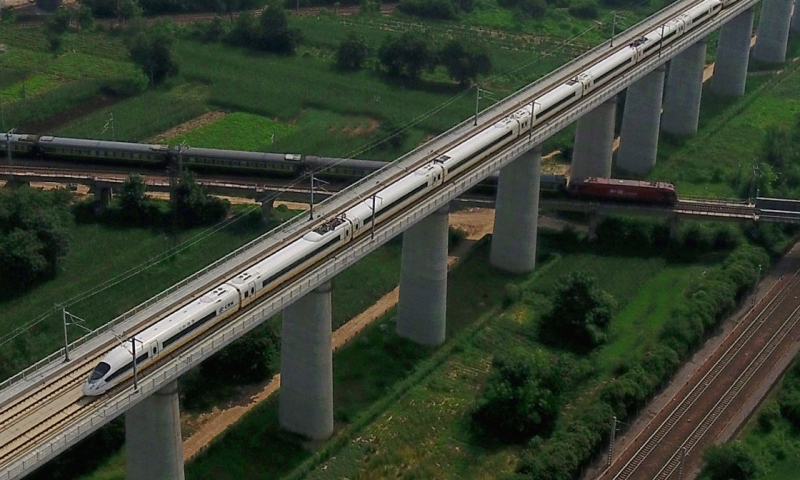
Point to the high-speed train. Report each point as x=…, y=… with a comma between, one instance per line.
x=260, y=279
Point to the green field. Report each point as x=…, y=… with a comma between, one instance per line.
x=106, y=272
x=430, y=391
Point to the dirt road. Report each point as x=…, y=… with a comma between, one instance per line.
x=477, y=222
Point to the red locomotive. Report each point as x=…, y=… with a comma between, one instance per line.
x=623, y=190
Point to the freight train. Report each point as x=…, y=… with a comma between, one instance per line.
x=348, y=224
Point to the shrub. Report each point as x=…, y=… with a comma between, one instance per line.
x=730, y=461
x=521, y=398
x=586, y=10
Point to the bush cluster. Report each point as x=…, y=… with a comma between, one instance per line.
x=131, y=208
x=523, y=394
x=573, y=444
x=585, y=9
x=625, y=236
x=33, y=234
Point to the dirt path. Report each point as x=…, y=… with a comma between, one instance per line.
x=186, y=127
x=477, y=222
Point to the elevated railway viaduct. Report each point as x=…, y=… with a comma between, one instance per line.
x=42, y=410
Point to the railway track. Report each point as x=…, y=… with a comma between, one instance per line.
x=45, y=419
x=672, y=443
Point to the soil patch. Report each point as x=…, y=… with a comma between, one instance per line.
x=186, y=127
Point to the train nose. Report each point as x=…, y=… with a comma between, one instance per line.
x=90, y=389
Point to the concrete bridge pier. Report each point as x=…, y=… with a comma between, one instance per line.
x=795, y=25
x=594, y=142
x=306, y=396
x=516, y=217
x=14, y=183
x=674, y=227
x=266, y=208
x=422, y=307
x=684, y=89
x=733, y=54
x=595, y=219
x=638, y=145
x=773, y=31
x=153, y=437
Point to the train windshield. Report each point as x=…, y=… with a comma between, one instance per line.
x=99, y=371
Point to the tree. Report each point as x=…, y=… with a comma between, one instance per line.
x=463, y=64
x=521, y=398
x=151, y=49
x=84, y=17
x=730, y=461
x=369, y=7
x=580, y=314
x=33, y=233
x=128, y=10
x=194, y=207
x=58, y=22
x=245, y=31
x=275, y=35
x=404, y=56
x=352, y=52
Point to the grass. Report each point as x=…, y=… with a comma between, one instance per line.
x=97, y=255
x=134, y=118
x=426, y=432
x=633, y=326
x=241, y=131
x=420, y=397
x=721, y=157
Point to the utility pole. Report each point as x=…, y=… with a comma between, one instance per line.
x=175, y=167
x=613, y=27
x=611, y=440
x=75, y=320
x=314, y=181
x=8, y=147
x=478, y=91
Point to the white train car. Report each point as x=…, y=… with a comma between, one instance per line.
x=164, y=336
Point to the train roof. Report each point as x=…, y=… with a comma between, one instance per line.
x=236, y=154
x=625, y=183
x=99, y=144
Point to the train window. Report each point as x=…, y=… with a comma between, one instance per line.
x=155, y=350
x=99, y=371
x=246, y=294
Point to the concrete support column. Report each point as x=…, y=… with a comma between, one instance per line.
x=674, y=227
x=594, y=142
x=153, y=437
x=266, y=208
x=422, y=307
x=517, y=214
x=306, y=395
x=595, y=219
x=773, y=31
x=14, y=183
x=638, y=145
x=684, y=89
x=795, y=26
x=733, y=53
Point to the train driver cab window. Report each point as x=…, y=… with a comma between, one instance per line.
x=99, y=371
